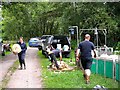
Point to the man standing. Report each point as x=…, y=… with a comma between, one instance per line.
x=21, y=55
x=84, y=49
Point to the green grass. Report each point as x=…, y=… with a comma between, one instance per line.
x=72, y=79
x=7, y=52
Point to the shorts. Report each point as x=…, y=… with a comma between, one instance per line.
x=86, y=63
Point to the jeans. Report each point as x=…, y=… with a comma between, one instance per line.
x=53, y=59
x=21, y=57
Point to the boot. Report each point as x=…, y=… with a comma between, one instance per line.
x=84, y=76
x=87, y=79
x=20, y=68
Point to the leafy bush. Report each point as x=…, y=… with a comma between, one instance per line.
x=118, y=46
x=73, y=44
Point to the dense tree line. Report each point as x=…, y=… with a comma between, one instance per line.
x=38, y=18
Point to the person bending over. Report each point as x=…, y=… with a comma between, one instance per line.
x=52, y=53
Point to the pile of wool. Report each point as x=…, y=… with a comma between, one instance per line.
x=16, y=48
x=62, y=66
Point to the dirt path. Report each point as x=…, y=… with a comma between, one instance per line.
x=5, y=63
x=29, y=78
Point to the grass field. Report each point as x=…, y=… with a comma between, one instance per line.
x=72, y=79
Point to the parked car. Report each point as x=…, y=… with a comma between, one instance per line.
x=34, y=42
x=58, y=42
x=42, y=40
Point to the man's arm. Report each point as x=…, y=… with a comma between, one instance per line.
x=25, y=48
x=77, y=54
x=94, y=53
x=93, y=48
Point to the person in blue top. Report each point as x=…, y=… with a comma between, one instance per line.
x=84, y=54
x=21, y=55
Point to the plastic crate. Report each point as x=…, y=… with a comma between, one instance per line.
x=109, y=68
x=101, y=67
x=117, y=71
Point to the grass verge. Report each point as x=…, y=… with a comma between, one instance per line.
x=0, y=56
x=6, y=53
x=73, y=79
x=6, y=78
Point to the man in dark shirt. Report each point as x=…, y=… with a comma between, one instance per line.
x=85, y=49
x=21, y=55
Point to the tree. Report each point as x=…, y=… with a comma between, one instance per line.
x=37, y=18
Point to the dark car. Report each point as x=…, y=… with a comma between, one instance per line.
x=58, y=42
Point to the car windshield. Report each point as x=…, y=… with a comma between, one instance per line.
x=44, y=37
x=60, y=39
